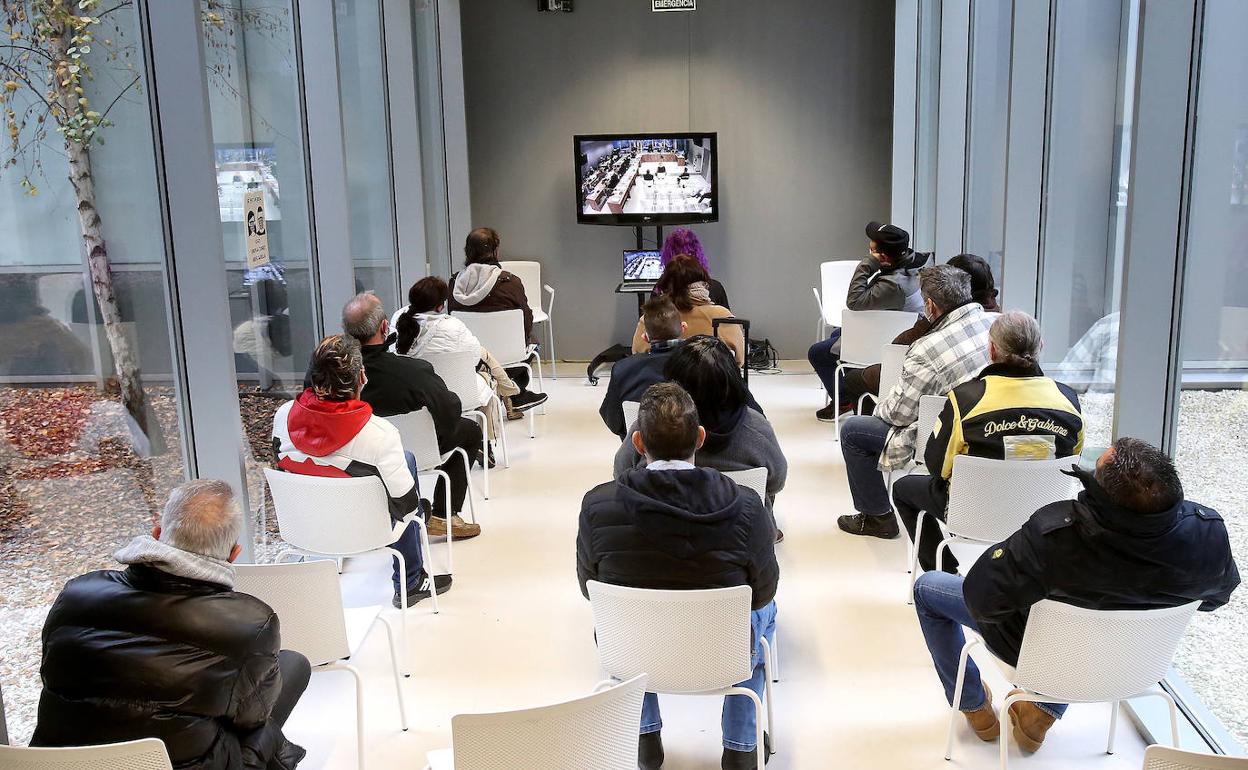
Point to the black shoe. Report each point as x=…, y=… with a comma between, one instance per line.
x=779, y=535
x=527, y=399
x=650, y=751
x=476, y=458
x=441, y=582
x=827, y=414
x=746, y=760
x=870, y=526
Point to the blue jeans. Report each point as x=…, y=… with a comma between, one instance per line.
x=942, y=612
x=824, y=361
x=409, y=545
x=738, y=717
x=862, y=441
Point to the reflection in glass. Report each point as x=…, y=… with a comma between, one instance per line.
x=987, y=133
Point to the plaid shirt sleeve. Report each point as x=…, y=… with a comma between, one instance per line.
x=901, y=406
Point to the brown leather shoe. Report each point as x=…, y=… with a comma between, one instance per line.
x=1030, y=723
x=983, y=720
x=460, y=528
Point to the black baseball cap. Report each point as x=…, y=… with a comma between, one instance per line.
x=890, y=239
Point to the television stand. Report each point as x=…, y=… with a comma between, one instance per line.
x=620, y=351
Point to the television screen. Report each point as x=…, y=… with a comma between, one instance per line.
x=646, y=179
x=642, y=265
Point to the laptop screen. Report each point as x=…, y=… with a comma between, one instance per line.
x=642, y=265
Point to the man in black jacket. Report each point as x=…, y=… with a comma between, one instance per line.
x=1130, y=541
x=671, y=525
x=632, y=375
x=166, y=649
x=401, y=384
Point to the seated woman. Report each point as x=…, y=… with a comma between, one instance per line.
x=682, y=240
x=424, y=328
x=686, y=282
x=737, y=437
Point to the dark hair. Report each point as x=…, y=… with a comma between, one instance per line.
x=425, y=295
x=336, y=367
x=983, y=287
x=681, y=273
x=707, y=369
x=1140, y=477
x=660, y=318
x=480, y=247
x=668, y=422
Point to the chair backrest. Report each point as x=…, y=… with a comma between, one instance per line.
x=420, y=437
x=1166, y=758
x=530, y=274
x=597, y=731
x=631, y=410
x=686, y=641
x=751, y=478
x=145, y=754
x=308, y=601
x=891, y=358
x=864, y=333
x=1092, y=656
x=331, y=515
x=990, y=500
x=500, y=332
x=459, y=372
x=834, y=287
x=930, y=408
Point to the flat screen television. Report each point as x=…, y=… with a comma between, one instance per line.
x=646, y=179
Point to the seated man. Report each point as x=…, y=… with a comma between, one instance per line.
x=329, y=431
x=632, y=375
x=1130, y=541
x=1011, y=411
x=951, y=353
x=166, y=649
x=670, y=525
x=400, y=384
x=886, y=279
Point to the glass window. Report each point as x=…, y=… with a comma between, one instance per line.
x=987, y=133
x=1085, y=187
x=82, y=469
x=924, y=236
x=362, y=76
x=443, y=259
x=1213, y=402
x=257, y=129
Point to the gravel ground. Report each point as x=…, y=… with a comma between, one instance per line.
x=54, y=472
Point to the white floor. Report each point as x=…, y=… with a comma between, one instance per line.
x=858, y=688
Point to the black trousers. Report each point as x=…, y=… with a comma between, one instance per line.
x=915, y=493
x=518, y=375
x=296, y=671
x=466, y=436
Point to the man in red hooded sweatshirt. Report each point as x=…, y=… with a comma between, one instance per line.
x=329, y=431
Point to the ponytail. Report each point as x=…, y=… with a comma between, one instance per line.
x=408, y=328
x=424, y=296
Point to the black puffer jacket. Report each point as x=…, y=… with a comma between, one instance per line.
x=139, y=652
x=679, y=529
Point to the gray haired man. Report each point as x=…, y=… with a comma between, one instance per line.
x=951, y=353
x=167, y=649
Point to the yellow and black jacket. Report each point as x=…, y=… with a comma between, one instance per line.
x=1005, y=413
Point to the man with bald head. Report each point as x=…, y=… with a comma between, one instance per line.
x=400, y=384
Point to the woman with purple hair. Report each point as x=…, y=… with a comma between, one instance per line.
x=682, y=240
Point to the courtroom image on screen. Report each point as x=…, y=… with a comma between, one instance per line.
x=642, y=266
x=661, y=176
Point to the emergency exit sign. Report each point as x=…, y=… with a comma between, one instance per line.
x=673, y=5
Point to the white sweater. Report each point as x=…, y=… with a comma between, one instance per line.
x=439, y=333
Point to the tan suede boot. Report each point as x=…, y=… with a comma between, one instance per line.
x=983, y=720
x=1030, y=723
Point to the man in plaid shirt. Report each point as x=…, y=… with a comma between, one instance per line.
x=951, y=353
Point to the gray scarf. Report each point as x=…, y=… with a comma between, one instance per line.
x=164, y=557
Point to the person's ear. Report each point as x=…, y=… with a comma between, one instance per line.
x=992, y=350
x=156, y=532
x=646, y=336
x=701, y=438
x=637, y=443
x=234, y=552
x=684, y=327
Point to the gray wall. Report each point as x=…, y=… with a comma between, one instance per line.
x=800, y=92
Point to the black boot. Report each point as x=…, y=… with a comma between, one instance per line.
x=650, y=751
x=871, y=526
x=746, y=760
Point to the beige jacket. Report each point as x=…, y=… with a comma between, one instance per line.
x=698, y=321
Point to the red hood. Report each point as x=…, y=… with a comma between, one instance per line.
x=319, y=428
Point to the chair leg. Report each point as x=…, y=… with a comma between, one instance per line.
x=359, y=708
x=450, y=534
x=550, y=335
x=1115, y=707
x=1174, y=713
x=914, y=555
x=427, y=551
x=768, y=678
x=760, y=745
x=485, y=451
x=472, y=503
x=836, y=401
x=394, y=666
x=502, y=434
x=1003, y=717
x=775, y=655
x=407, y=671
x=532, y=423
x=957, y=696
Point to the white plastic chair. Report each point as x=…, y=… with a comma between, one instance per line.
x=307, y=598
x=320, y=516
x=688, y=642
x=1076, y=655
x=930, y=408
x=530, y=274
x=631, y=410
x=597, y=731
x=420, y=437
x=756, y=479
x=502, y=333
x=864, y=333
x=834, y=278
x=459, y=372
x=144, y=754
x=1164, y=758
x=891, y=358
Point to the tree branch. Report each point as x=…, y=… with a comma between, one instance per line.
x=120, y=94
x=20, y=75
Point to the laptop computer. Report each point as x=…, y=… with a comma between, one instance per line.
x=642, y=269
